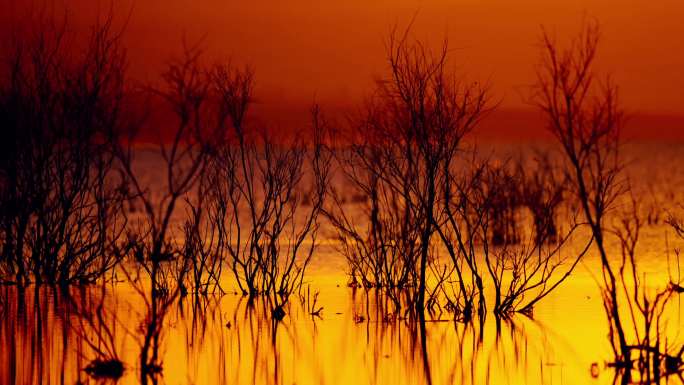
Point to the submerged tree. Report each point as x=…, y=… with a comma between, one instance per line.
x=584, y=116
x=60, y=114
x=375, y=228
x=404, y=143
x=649, y=351
x=542, y=189
x=265, y=195
x=521, y=271
x=183, y=151
x=585, y=119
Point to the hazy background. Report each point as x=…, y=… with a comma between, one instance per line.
x=332, y=50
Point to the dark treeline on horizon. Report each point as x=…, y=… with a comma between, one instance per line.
x=420, y=216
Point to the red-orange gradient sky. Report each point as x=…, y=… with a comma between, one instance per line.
x=333, y=49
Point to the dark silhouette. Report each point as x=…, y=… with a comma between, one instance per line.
x=585, y=118
x=60, y=114
x=266, y=196
x=405, y=142
x=149, y=245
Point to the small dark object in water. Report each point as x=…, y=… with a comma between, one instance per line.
x=278, y=313
x=228, y=324
x=673, y=364
x=676, y=288
x=105, y=369
x=594, y=370
x=359, y=318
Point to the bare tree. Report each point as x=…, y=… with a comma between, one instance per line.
x=587, y=127
x=412, y=130
x=184, y=153
x=648, y=351
x=202, y=240
x=60, y=115
x=376, y=232
x=527, y=270
x=463, y=227
x=584, y=116
x=542, y=188
x=481, y=199
x=267, y=195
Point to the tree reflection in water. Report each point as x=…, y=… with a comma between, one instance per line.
x=52, y=336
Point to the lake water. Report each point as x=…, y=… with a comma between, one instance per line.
x=49, y=336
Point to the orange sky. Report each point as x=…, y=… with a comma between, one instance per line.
x=333, y=49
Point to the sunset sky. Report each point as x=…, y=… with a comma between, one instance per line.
x=332, y=50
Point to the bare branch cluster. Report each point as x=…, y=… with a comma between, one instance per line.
x=585, y=118
x=60, y=114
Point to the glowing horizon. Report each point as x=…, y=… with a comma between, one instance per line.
x=333, y=52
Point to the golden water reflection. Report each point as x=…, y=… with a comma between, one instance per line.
x=52, y=337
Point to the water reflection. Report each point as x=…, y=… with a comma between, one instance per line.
x=78, y=336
